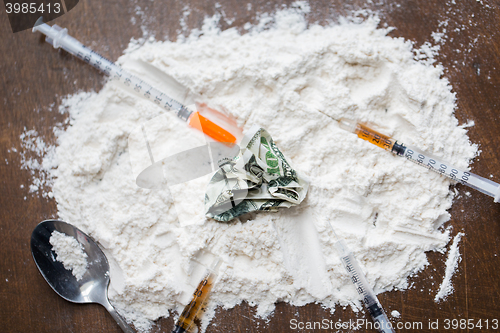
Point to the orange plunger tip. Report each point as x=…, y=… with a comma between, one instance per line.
x=211, y=129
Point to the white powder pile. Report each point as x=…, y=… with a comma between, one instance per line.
x=285, y=76
x=69, y=252
x=454, y=257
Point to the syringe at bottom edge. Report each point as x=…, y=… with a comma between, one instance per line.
x=381, y=322
x=190, y=312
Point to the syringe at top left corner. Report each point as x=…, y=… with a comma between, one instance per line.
x=212, y=126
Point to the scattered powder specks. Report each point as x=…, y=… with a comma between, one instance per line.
x=452, y=261
x=185, y=14
x=33, y=146
x=438, y=36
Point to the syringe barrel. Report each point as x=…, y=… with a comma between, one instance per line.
x=366, y=133
x=464, y=177
x=417, y=156
x=200, y=295
x=59, y=38
x=191, y=310
x=363, y=288
x=358, y=278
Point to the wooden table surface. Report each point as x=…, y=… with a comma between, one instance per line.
x=34, y=78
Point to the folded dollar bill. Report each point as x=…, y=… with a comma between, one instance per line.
x=258, y=178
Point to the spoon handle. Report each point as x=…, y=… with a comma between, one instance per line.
x=119, y=319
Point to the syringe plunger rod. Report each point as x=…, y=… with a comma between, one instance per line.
x=58, y=37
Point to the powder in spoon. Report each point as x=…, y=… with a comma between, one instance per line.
x=69, y=252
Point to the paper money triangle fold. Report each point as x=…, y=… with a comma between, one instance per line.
x=259, y=178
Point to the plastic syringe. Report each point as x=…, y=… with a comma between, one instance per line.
x=59, y=38
x=421, y=158
x=370, y=300
x=190, y=312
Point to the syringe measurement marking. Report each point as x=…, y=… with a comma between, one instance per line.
x=388, y=143
x=369, y=299
x=459, y=176
x=109, y=68
x=95, y=59
x=375, y=138
x=59, y=38
x=355, y=279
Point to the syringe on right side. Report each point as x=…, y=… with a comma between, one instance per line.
x=419, y=157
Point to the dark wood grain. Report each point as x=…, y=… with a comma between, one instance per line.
x=34, y=77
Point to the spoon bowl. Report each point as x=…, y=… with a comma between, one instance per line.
x=93, y=285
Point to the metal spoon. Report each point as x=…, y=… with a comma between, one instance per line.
x=92, y=287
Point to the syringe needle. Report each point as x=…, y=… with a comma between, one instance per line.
x=59, y=38
x=419, y=157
